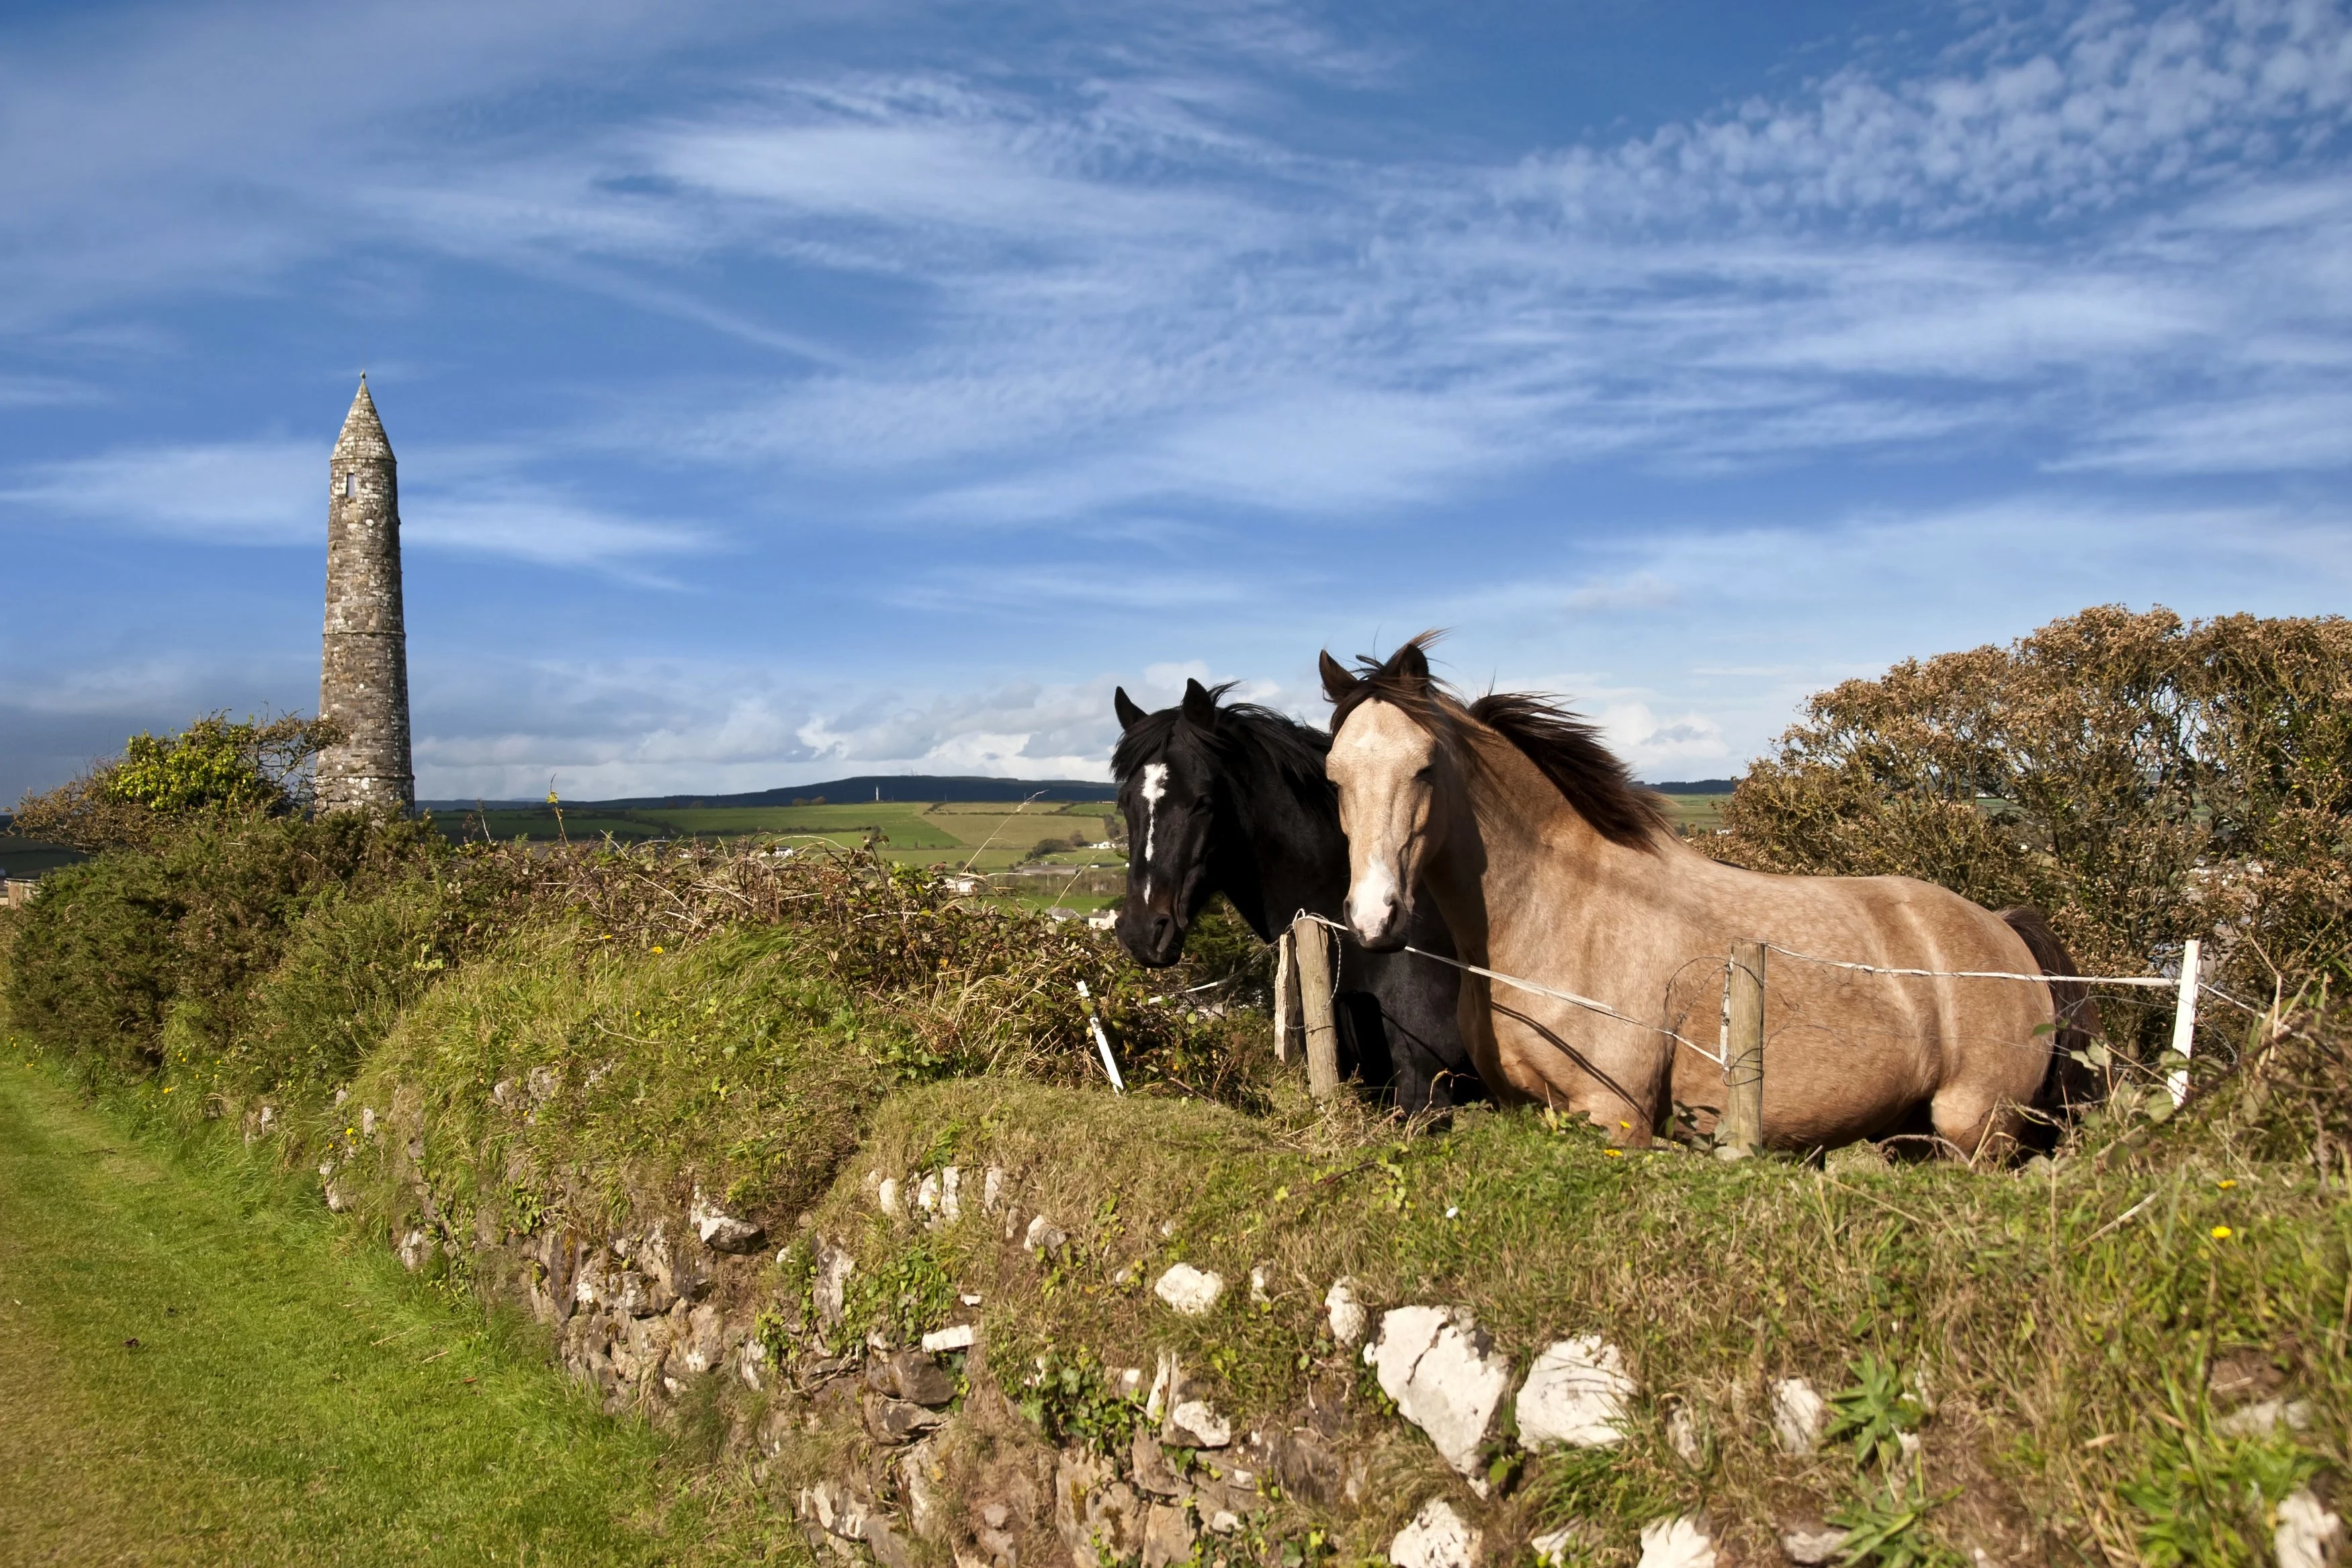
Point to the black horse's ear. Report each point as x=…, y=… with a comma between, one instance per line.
x=1129, y=715
x=1411, y=664
x=1337, y=681
x=1199, y=707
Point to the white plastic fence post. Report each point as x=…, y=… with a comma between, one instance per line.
x=1102, y=1041
x=2184, y=1022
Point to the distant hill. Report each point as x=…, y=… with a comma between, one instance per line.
x=1696, y=786
x=838, y=792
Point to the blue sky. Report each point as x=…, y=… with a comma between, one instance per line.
x=870, y=388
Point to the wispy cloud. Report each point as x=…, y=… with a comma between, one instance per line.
x=271, y=493
x=261, y=492
x=627, y=729
x=1022, y=288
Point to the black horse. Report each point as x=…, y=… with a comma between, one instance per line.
x=1233, y=800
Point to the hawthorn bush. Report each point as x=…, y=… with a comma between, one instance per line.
x=2140, y=778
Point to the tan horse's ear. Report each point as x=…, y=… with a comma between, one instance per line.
x=1129, y=715
x=1337, y=681
x=1411, y=664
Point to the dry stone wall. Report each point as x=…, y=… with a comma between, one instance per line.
x=916, y=1452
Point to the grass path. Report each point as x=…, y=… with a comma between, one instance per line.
x=197, y=1364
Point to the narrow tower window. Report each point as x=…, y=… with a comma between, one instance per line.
x=351, y=486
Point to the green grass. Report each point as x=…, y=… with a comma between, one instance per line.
x=1697, y=813
x=203, y=1366
x=2048, y=1333
x=990, y=835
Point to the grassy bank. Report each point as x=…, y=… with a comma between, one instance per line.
x=203, y=1366
x=540, y=1060
x=2072, y=1344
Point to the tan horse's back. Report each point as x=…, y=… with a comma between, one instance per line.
x=1850, y=1054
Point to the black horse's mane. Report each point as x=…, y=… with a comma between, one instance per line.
x=1243, y=732
x=1564, y=745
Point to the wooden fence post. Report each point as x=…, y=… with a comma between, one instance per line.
x=1741, y=1131
x=1285, y=995
x=1315, y=987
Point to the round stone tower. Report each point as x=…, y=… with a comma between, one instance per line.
x=363, y=668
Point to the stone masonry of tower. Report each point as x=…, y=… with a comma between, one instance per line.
x=364, y=667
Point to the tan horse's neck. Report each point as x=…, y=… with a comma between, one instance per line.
x=1512, y=843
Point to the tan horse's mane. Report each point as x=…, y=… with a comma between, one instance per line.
x=1565, y=746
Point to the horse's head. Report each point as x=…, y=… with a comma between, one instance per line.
x=1391, y=762
x=1168, y=787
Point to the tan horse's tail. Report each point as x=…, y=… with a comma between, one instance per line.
x=2068, y=1086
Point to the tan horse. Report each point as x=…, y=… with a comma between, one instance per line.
x=1550, y=865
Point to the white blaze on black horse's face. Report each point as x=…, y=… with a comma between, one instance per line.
x=1384, y=765
x=1152, y=791
x=1171, y=808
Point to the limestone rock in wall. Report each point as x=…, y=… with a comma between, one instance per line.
x=2309, y=1535
x=1437, y=1538
x=1098, y=1516
x=1440, y=1368
x=1345, y=1313
x=1576, y=1395
x=1810, y=1543
x=1678, y=1542
x=704, y=1345
x=1169, y=1537
x=723, y=1232
x=833, y=1266
x=415, y=1250
x=913, y=1377
x=1148, y=1465
x=1194, y=1424
x=1799, y=1415
x=1190, y=1292
x=894, y=1421
x=1683, y=1437
x=918, y=1478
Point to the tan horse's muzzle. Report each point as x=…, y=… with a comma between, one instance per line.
x=1377, y=906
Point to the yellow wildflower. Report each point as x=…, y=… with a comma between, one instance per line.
x=2220, y=1233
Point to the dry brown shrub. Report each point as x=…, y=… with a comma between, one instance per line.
x=979, y=986
x=2140, y=778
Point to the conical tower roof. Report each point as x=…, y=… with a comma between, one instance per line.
x=363, y=438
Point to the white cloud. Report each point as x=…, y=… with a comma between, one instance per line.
x=1649, y=743
x=2265, y=433
x=632, y=730
x=2116, y=103
x=1130, y=290
x=258, y=492
x=1640, y=591
x=272, y=492
x=521, y=522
